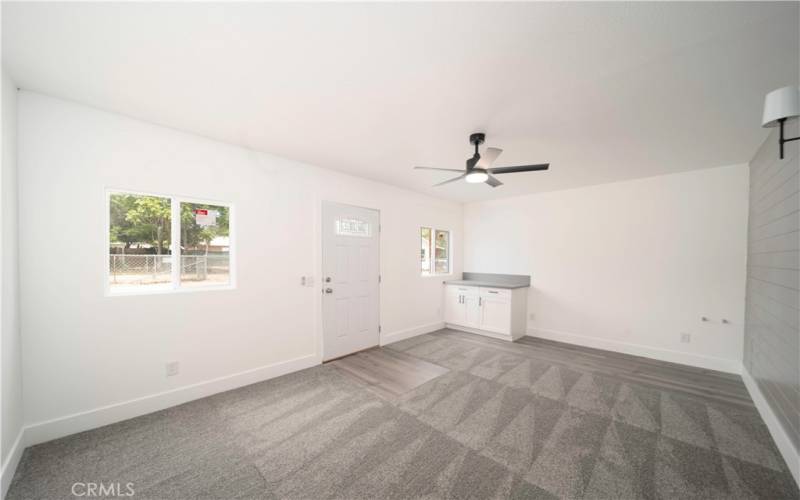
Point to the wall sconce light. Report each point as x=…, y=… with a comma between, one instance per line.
x=780, y=105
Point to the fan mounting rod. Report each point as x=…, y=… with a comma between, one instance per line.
x=477, y=139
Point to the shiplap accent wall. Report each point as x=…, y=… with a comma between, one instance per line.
x=772, y=315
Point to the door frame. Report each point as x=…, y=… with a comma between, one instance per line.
x=321, y=263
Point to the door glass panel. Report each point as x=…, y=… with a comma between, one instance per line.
x=205, y=245
x=348, y=226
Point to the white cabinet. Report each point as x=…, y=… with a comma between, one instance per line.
x=472, y=310
x=496, y=312
x=453, y=308
x=462, y=306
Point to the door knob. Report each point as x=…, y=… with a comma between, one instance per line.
x=329, y=290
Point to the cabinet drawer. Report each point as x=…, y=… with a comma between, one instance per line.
x=498, y=293
x=464, y=290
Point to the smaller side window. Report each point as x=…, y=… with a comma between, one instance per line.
x=434, y=251
x=425, y=250
x=442, y=263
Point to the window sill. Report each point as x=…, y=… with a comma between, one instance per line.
x=157, y=290
x=442, y=275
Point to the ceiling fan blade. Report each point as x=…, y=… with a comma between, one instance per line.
x=493, y=181
x=451, y=180
x=488, y=157
x=442, y=169
x=520, y=168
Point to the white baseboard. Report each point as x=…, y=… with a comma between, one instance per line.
x=790, y=454
x=389, y=338
x=10, y=466
x=478, y=331
x=98, y=417
x=41, y=432
x=684, y=358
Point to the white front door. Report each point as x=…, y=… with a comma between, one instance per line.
x=350, y=279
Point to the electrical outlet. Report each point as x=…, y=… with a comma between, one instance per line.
x=173, y=368
x=686, y=338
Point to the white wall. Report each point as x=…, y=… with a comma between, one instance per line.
x=85, y=351
x=11, y=418
x=628, y=266
x=625, y=266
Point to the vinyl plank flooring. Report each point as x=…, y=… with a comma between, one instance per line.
x=390, y=373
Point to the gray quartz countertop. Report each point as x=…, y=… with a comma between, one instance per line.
x=492, y=280
x=487, y=284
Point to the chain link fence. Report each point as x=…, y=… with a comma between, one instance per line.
x=151, y=269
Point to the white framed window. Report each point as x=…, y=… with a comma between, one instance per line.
x=160, y=243
x=435, y=251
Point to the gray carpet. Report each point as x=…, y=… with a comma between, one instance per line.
x=498, y=425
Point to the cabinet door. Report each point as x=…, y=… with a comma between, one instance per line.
x=472, y=310
x=453, y=307
x=496, y=314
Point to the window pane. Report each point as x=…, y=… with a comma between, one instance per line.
x=425, y=249
x=205, y=245
x=442, y=252
x=139, y=253
x=348, y=226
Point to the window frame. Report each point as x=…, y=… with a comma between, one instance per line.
x=432, y=251
x=174, y=286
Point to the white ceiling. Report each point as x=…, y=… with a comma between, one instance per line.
x=602, y=91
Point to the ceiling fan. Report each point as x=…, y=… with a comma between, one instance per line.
x=479, y=168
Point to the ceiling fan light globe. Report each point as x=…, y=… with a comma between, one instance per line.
x=476, y=177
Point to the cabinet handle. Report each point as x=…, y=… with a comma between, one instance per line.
x=480, y=301
x=493, y=291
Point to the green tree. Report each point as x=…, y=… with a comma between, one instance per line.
x=147, y=219
x=141, y=219
x=122, y=230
